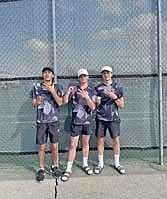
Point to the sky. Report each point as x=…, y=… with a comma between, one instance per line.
x=89, y=33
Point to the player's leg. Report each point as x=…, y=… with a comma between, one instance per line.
x=41, y=155
x=41, y=138
x=53, y=130
x=76, y=131
x=85, y=153
x=114, y=130
x=100, y=134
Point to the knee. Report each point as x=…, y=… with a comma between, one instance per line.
x=85, y=143
x=42, y=148
x=54, y=146
x=85, y=140
x=115, y=141
x=100, y=141
x=73, y=146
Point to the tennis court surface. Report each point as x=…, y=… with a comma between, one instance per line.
x=143, y=180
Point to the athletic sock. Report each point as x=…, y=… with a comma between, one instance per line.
x=116, y=159
x=85, y=162
x=69, y=166
x=55, y=165
x=41, y=168
x=101, y=162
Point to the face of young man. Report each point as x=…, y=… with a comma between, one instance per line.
x=47, y=75
x=107, y=76
x=83, y=79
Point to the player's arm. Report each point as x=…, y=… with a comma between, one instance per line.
x=120, y=102
x=117, y=97
x=34, y=102
x=37, y=101
x=58, y=99
x=51, y=88
x=90, y=102
x=70, y=90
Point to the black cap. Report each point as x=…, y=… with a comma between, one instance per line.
x=48, y=68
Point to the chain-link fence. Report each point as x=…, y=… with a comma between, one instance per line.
x=89, y=34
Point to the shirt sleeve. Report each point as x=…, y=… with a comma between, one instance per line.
x=120, y=92
x=33, y=92
x=60, y=91
x=94, y=94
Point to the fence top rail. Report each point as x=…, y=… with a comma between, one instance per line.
x=74, y=77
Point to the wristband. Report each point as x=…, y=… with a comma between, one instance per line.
x=116, y=98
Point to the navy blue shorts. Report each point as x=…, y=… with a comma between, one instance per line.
x=112, y=127
x=45, y=130
x=80, y=130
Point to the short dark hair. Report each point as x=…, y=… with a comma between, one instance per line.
x=48, y=68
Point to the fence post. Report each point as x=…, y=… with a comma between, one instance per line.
x=54, y=34
x=159, y=53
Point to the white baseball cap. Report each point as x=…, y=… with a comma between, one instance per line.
x=107, y=68
x=82, y=71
